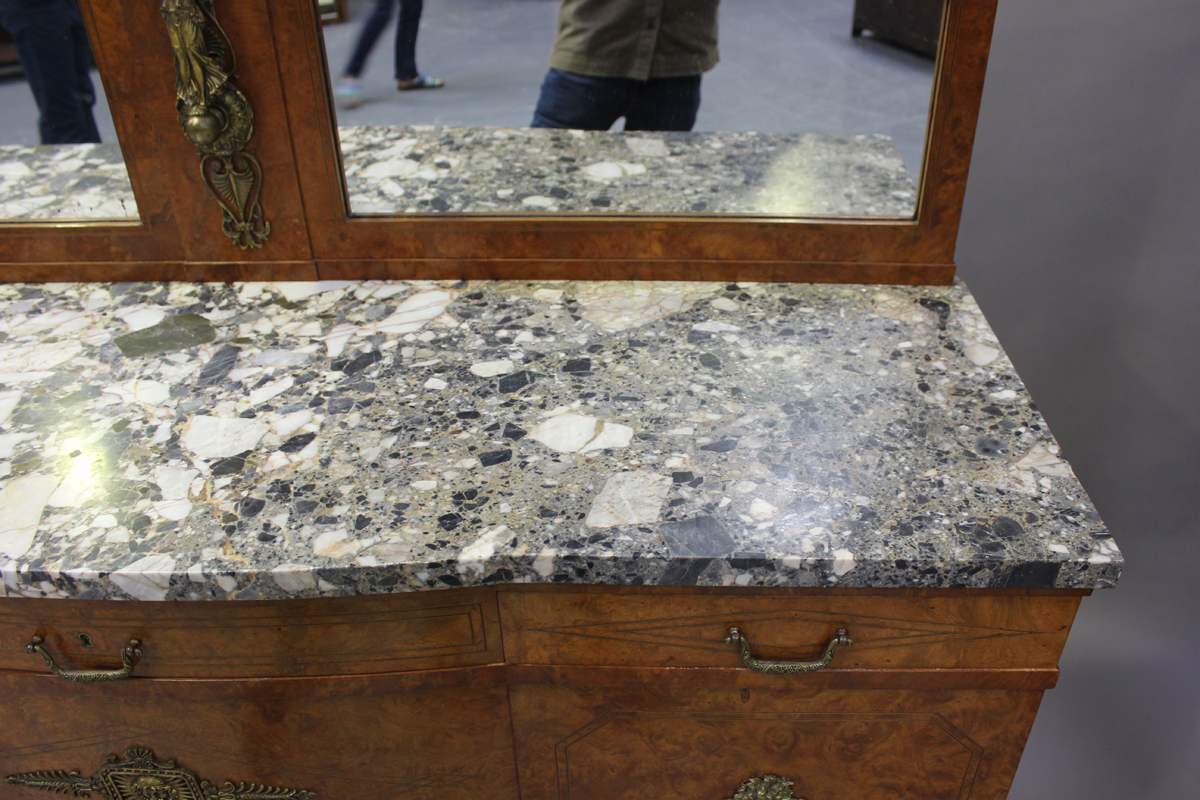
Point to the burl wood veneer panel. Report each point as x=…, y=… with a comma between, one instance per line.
x=332, y=636
x=630, y=744
x=371, y=743
x=945, y=631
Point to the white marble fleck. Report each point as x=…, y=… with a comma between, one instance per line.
x=488, y=369
x=715, y=326
x=147, y=578
x=544, y=563
x=1040, y=459
x=415, y=312
x=629, y=498
x=335, y=544
x=8, y=402
x=218, y=437
x=566, y=433
x=981, y=354
x=141, y=318
x=620, y=306
x=269, y=390
x=22, y=501
x=611, y=435
x=302, y=290
x=613, y=170
x=280, y=358
x=843, y=562
x=761, y=510
x=474, y=556
x=292, y=422
x=10, y=441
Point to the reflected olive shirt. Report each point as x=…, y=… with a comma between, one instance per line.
x=638, y=39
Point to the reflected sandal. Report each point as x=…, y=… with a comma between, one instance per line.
x=420, y=82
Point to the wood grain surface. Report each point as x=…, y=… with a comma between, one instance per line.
x=629, y=744
x=335, y=636
x=955, y=630
x=431, y=745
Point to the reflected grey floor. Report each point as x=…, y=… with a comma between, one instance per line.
x=18, y=122
x=786, y=67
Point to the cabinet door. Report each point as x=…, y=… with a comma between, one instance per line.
x=343, y=739
x=588, y=743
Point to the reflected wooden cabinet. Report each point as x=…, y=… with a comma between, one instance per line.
x=543, y=693
x=281, y=70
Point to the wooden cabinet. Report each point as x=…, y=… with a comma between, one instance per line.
x=914, y=24
x=543, y=692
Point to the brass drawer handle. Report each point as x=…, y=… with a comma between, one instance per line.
x=738, y=638
x=128, y=654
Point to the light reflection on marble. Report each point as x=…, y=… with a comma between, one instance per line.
x=393, y=169
x=242, y=441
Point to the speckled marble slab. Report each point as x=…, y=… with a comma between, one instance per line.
x=217, y=441
x=66, y=181
x=426, y=168
x=396, y=169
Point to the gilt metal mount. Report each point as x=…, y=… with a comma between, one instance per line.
x=216, y=117
x=142, y=777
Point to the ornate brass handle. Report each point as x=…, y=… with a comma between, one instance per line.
x=738, y=638
x=128, y=654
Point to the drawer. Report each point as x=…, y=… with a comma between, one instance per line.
x=629, y=744
x=890, y=631
x=359, y=737
x=335, y=636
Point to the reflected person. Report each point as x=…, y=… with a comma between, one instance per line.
x=637, y=59
x=407, y=75
x=53, y=49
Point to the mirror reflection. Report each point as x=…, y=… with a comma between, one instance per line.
x=59, y=157
x=747, y=106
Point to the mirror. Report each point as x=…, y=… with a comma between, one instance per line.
x=815, y=109
x=59, y=157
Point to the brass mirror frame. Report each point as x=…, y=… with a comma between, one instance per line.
x=281, y=70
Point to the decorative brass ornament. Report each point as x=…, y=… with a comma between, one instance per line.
x=128, y=654
x=738, y=639
x=768, y=787
x=216, y=117
x=235, y=182
x=141, y=777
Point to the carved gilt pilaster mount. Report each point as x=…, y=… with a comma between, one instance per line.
x=142, y=777
x=216, y=117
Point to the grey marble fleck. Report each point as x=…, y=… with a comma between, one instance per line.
x=351, y=438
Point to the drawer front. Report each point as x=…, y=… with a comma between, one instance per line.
x=371, y=743
x=336, y=636
x=658, y=629
x=611, y=744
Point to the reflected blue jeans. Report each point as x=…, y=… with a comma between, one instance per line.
x=590, y=103
x=53, y=48
x=406, y=37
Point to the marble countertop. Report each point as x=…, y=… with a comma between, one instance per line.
x=256, y=441
x=424, y=169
